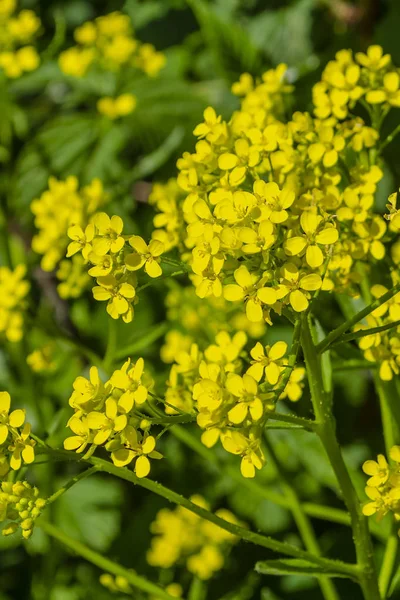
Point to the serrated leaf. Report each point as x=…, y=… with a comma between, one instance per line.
x=295, y=566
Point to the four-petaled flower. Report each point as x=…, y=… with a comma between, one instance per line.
x=145, y=255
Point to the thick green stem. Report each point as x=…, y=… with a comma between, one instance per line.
x=349, y=570
x=326, y=430
x=303, y=523
x=319, y=511
x=104, y=563
x=389, y=561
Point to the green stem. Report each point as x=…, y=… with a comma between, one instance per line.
x=167, y=276
x=354, y=363
x=339, y=331
x=198, y=589
x=349, y=337
x=389, y=561
x=104, y=563
x=325, y=513
x=389, y=139
x=349, y=570
x=294, y=420
x=70, y=483
x=386, y=397
x=303, y=523
x=326, y=431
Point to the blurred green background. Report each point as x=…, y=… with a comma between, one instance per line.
x=208, y=45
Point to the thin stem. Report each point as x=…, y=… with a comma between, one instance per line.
x=389, y=139
x=302, y=521
x=319, y=511
x=104, y=563
x=354, y=363
x=349, y=337
x=326, y=430
x=347, y=569
x=70, y=483
x=167, y=276
x=198, y=589
x=294, y=420
x=339, y=331
x=389, y=561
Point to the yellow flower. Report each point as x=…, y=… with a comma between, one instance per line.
x=83, y=436
x=316, y=233
x=297, y=286
x=245, y=389
x=374, y=59
x=114, y=108
x=246, y=288
x=378, y=471
x=108, y=234
x=119, y=296
x=13, y=290
x=128, y=379
x=105, y=424
x=249, y=448
x=294, y=387
x=145, y=255
x=21, y=448
x=134, y=447
x=277, y=200
x=14, y=419
x=268, y=361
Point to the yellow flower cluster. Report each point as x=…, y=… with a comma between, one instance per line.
x=182, y=537
x=383, y=485
x=265, y=211
x=16, y=446
x=42, y=360
x=383, y=347
x=63, y=204
x=13, y=290
x=20, y=506
x=109, y=415
x=169, y=223
x=202, y=318
x=121, y=584
x=113, y=263
x=114, y=108
x=17, y=55
x=109, y=43
x=270, y=94
x=231, y=403
x=73, y=277
x=348, y=79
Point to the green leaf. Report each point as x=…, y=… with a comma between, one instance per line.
x=295, y=566
x=145, y=340
x=231, y=46
x=90, y=512
x=150, y=163
x=285, y=34
x=142, y=14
